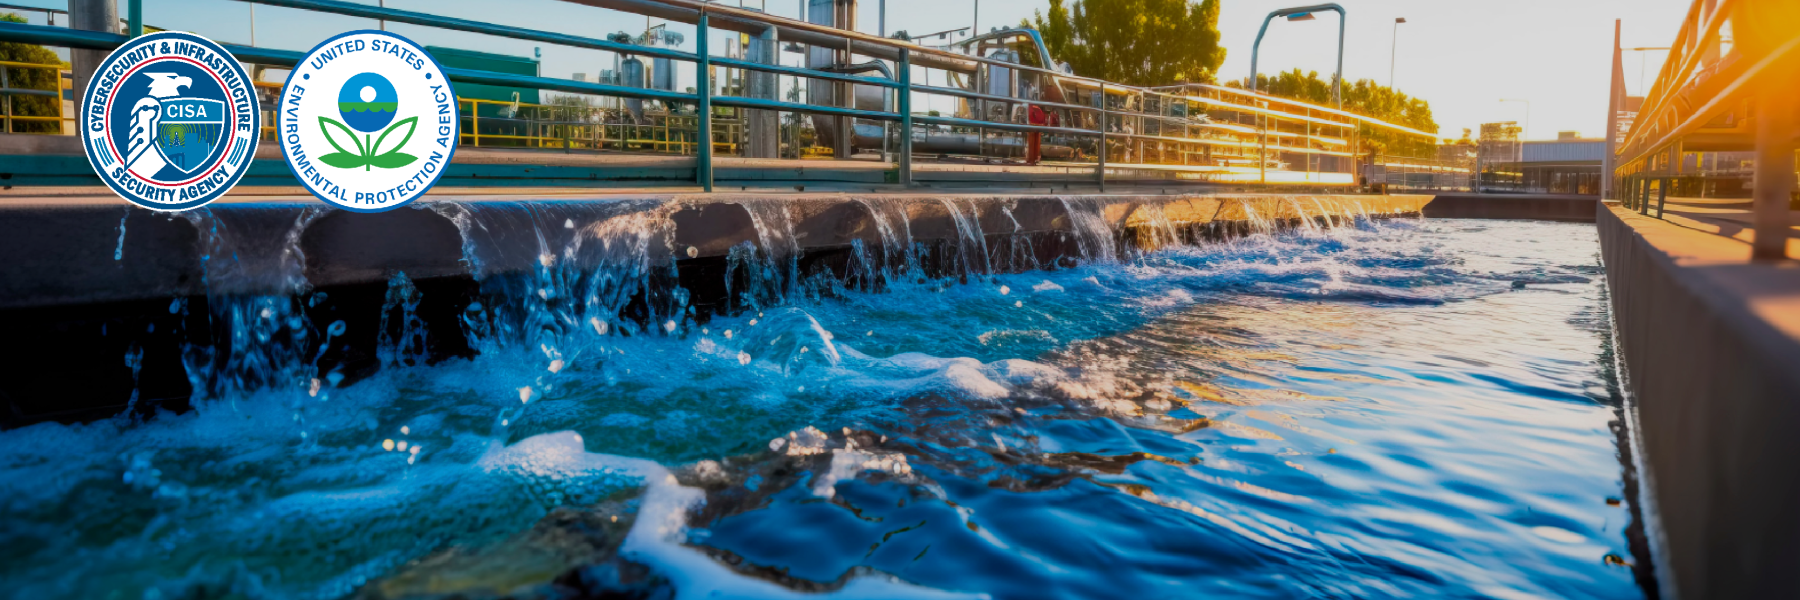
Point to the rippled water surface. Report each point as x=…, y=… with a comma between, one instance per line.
x=1382, y=409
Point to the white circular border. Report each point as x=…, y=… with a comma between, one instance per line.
x=246, y=153
x=425, y=136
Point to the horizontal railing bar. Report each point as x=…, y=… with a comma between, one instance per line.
x=1014, y=127
x=430, y=20
x=28, y=92
x=97, y=40
x=837, y=111
x=802, y=72
x=962, y=93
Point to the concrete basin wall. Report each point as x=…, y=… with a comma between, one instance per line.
x=1711, y=347
x=91, y=281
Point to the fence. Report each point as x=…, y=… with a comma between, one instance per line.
x=1002, y=104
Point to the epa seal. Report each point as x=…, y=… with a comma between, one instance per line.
x=368, y=122
x=170, y=121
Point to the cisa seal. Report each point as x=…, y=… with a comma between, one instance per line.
x=170, y=121
x=368, y=122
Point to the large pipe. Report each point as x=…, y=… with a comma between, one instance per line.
x=742, y=21
x=90, y=15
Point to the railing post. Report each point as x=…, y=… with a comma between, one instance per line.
x=134, y=18
x=1662, y=196
x=1644, y=201
x=1100, y=173
x=1773, y=182
x=703, y=165
x=906, y=120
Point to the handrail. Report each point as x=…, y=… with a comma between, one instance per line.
x=1656, y=103
x=855, y=42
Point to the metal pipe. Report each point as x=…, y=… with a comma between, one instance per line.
x=906, y=119
x=703, y=72
x=134, y=19
x=1100, y=172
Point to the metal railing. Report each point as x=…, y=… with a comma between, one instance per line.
x=1135, y=122
x=1729, y=84
x=8, y=93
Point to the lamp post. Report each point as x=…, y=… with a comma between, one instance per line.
x=1299, y=13
x=1394, y=51
x=1305, y=13
x=1527, y=131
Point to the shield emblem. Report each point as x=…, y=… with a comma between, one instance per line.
x=189, y=131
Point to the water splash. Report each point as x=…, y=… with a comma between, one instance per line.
x=119, y=252
x=1093, y=234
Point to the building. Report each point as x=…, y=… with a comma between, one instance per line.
x=1569, y=164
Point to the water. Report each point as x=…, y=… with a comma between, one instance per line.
x=1352, y=409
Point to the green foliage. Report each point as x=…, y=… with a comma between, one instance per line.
x=1135, y=42
x=1364, y=97
x=36, y=79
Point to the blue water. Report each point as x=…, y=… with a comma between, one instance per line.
x=1386, y=409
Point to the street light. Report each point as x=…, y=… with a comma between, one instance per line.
x=1527, y=131
x=1305, y=13
x=1642, y=65
x=1394, y=51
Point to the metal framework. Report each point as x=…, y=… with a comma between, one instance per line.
x=1237, y=135
x=1729, y=85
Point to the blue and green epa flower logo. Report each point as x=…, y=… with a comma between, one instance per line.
x=368, y=103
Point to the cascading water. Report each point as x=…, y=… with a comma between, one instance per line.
x=1087, y=221
x=607, y=437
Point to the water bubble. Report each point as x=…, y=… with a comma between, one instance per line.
x=387, y=445
x=743, y=358
x=693, y=252
x=400, y=445
x=728, y=334
x=568, y=223
x=404, y=430
x=337, y=328
x=175, y=306
x=669, y=326
x=1005, y=290
x=556, y=365
x=599, y=325
x=1019, y=304
x=525, y=395
x=753, y=322
x=474, y=307
x=313, y=389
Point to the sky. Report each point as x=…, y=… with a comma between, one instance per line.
x=1462, y=56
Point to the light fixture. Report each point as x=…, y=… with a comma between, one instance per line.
x=1302, y=17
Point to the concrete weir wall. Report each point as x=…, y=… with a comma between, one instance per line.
x=1711, y=347
x=91, y=281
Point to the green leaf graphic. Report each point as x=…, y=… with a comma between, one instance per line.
x=393, y=160
x=360, y=150
x=343, y=160
x=411, y=124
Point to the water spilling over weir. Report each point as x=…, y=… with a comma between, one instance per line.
x=257, y=290
x=868, y=397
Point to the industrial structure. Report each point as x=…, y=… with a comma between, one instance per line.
x=847, y=96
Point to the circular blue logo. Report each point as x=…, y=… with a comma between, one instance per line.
x=368, y=122
x=170, y=121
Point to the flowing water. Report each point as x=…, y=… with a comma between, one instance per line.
x=1351, y=409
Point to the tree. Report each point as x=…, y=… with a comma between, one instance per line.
x=1135, y=42
x=34, y=79
x=1364, y=97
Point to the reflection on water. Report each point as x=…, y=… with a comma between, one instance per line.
x=1398, y=409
